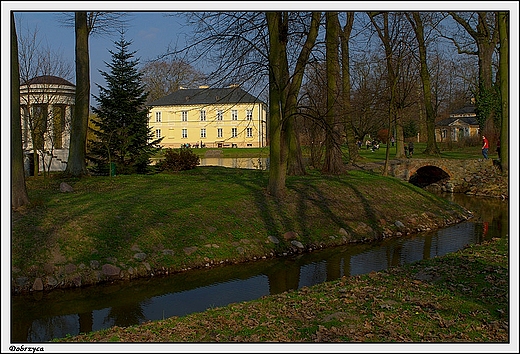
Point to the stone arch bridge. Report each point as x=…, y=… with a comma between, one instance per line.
x=457, y=176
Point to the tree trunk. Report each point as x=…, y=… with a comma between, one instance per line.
x=333, y=157
x=393, y=111
x=345, y=80
x=76, y=165
x=277, y=160
x=503, y=26
x=295, y=165
x=19, y=195
x=431, y=145
x=486, y=40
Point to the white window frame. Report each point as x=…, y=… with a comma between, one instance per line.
x=184, y=133
x=234, y=114
x=202, y=115
x=157, y=133
x=234, y=132
x=219, y=133
x=158, y=117
x=184, y=116
x=203, y=132
x=249, y=132
x=220, y=114
x=249, y=114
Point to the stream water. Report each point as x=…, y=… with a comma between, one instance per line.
x=42, y=316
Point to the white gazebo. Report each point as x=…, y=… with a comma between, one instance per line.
x=46, y=104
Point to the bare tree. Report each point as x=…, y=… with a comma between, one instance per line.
x=333, y=163
x=284, y=90
x=416, y=21
x=482, y=27
x=350, y=134
x=85, y=24
x=391, y=44
x=260, y=50
x=162, y=77
x=308, y=25
x=76, y=164
x=19, y=195
x=368, y=106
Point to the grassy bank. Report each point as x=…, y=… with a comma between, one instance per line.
x=458, y=298
x=125, y=227
x=448, y=151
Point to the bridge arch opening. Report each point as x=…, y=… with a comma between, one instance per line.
x=427, y=175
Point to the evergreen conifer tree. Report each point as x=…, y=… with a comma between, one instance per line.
x=122, y=134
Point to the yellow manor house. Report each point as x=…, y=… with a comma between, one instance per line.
x=209, y=117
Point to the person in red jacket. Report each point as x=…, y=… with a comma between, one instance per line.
x=485, y=147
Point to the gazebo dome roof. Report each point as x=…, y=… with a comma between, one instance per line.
x=48, y=80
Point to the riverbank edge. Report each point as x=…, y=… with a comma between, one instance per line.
x=83, y=276
x=428, y=301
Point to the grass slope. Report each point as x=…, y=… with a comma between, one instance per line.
x=210, y=215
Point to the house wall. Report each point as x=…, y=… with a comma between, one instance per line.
x=453, y=133
x=197, y=131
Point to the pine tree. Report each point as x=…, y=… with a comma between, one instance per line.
x=121, y=128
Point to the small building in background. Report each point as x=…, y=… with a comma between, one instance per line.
x=461, y=124
x=209, y=117
x=47, y=105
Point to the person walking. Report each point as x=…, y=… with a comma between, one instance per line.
x=485, y=147
x=410, y=148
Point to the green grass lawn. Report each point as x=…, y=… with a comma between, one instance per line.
x=225, y=214
x=447, y=152
x=467, y=152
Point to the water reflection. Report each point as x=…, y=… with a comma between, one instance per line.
x=42, y=316
x=256, y=163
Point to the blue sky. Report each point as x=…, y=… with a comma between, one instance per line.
x=150, y=33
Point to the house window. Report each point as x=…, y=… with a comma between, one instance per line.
x=184, y=133
x=157, y=133
x=219, y=132
x=249, y=132
x=234, y=114
x=249, y=114
x=202, y=115
x=444, y=134
x=219, y=114
x=203, y=133
x=157, y=117
x=233, y=132
x=184, y=115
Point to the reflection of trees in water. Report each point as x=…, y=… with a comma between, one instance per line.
x=86, y=322
x=283, y=278
x=52, y=327
x=126, y=315
x=492, y=211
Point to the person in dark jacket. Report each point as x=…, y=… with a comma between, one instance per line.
x=410, y=149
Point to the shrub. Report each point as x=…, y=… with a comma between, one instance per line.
x=178, y=160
